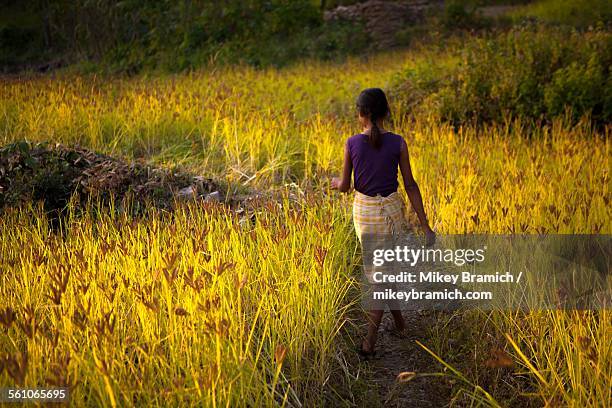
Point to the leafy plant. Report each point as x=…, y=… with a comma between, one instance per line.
x=577, y=13
x=529, y=72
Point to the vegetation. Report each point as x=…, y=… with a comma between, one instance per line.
x=283, y=297
x=187, y=309
x=131, y=36
x=577, y=13
x=508, y=132
x=529, y=72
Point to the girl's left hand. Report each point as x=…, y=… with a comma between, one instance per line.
x=430, y=237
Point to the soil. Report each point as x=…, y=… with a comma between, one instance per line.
x=382, y=19
x=397, y=355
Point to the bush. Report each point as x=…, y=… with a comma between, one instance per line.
x=583, y=88
x=461, y=15
x=458, y=14
x=131, y=35
x=577, y=13
x=14, y=45
x=22, y=43
x=529, y=72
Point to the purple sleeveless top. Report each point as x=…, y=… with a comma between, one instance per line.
x=375, y=170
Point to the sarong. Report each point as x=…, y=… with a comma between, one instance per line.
x=379, y=215
x=379, y=221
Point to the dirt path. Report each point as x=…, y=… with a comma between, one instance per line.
x=397, y=355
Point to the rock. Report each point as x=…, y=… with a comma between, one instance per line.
x=214, y=196
x=382, y=19
x=187, y=193
x=193, y=192
x=204, y=184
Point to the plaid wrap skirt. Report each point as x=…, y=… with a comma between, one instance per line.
x=381, y=220
x=379, y=215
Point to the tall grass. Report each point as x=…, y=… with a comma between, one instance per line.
x=235, y=117
x=184, y=308
x=263, y=328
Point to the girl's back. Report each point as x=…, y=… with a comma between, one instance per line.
x=375, y=169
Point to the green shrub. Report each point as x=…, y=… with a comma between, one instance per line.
x=337, y=38
x=22, y=43
x=578, y=13
x=132, y=35
x=529, y=72
x=458, y=14
x=413, y=87
x=15, y=45
x=583, y=88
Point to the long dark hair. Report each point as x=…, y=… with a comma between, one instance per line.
x=372, y=103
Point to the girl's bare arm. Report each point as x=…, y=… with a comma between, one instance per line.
x=343, y=184
x=412, y=188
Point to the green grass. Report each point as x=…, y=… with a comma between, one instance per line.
x=578, y=13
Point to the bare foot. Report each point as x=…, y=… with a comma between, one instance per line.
x=366, y=348
x=398, y=330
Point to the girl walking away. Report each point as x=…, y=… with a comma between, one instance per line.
x=373, y=157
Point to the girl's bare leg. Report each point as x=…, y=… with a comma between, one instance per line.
x=400, y=324
x=374, y=317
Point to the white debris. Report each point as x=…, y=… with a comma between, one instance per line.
x=214, y=196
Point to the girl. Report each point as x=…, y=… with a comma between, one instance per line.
x=373, y=156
